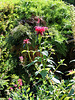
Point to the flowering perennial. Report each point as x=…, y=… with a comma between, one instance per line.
x=40, y=29
x=26, y=41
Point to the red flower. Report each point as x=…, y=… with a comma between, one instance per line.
x=40, y=29
x=26, y=41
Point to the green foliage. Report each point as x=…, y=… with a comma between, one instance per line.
x=57, y=16
x=8, y=18
x=37, y=68
x=6, y=63
x=70, y=1
x=21, y=31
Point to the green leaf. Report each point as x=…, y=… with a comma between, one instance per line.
x=37, y=72
x=28, y=90
x=71, y=92
x=67, y=98
x=51, y=61
x=43, y=73
x=55, y=80
x=30, y=94
x=72, y=61
x=63, y=97
x=51, y=88
x=59, y=72
x=45, y=53
x=31, y=63
x=51, y=66
x=73, y=72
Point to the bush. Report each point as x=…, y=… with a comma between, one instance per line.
x=33, y=53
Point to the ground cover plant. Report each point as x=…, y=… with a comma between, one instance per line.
x=37, y=50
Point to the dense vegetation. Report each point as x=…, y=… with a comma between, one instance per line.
x=37, y=50
x=70, y=1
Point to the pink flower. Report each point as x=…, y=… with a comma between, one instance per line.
x=19, y=87
x=20, y=82
x=11, y=88
x=21, y=58
x=70, y=71
x=10, y=99
x=15, y=85
x=40, y=29
x=26, y=41
x=38, y=20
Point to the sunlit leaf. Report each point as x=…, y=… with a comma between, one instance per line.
x=55, y=80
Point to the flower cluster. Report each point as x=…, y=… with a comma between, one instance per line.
x=40, y=29
x=19, y=84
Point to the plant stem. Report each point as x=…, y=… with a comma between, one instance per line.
x=29, y=53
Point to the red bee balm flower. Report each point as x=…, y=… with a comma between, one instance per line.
x=40, y=29
x=26, y=41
